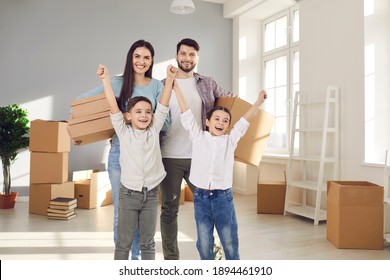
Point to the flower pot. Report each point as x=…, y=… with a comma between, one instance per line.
x=8, y=200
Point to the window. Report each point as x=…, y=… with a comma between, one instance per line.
x=281, y=73
x=377, y=86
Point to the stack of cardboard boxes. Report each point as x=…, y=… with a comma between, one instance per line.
x=90, y=122
x=49, y=147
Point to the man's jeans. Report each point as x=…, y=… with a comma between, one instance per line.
x=114, y=172
x=137, y=210
x=216, y=208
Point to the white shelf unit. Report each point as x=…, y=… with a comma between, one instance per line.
x=386, y=186
x=318, y=153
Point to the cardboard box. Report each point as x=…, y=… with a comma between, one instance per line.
x=189, y=196
x=355, y=214
x=251, y=147
x=92, y=128
x=83, y=174
x=41, y=194
x=89, y=106
x=94, y=192
x=49, y=136
x=271, y=197
x=48, y=168
x=182, y=196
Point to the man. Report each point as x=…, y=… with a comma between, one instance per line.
x=200, y=93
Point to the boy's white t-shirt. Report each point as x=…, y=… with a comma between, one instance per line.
x=176, y=141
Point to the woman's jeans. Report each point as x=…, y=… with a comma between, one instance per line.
x=137, y=210
x=216, y=208
x=114, y=172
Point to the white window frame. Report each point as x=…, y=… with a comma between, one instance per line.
x=377, y=100
x=288, y=51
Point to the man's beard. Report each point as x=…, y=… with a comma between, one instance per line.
x=186, y=70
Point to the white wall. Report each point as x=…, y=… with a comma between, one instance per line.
x=332, y=53
x=50, y=51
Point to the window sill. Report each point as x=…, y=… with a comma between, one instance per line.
x=275, y=158
x=373, y=164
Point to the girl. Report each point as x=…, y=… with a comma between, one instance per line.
x=141, y=166
x=212, y=174
x=136, y=81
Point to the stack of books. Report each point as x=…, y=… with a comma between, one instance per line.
x=62, y=208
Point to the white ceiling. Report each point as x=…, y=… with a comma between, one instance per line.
x=261, y=10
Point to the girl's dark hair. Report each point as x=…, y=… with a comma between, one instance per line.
x=218, y=108
x=128, y=74
x=188, y=42
x=135, y=100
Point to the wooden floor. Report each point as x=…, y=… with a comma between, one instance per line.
x=25, y=236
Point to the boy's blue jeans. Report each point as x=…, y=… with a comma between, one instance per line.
x=137, y=210
x=114, y=172
x=216, y=208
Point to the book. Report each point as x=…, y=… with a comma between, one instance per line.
x=63, y=207
x=62, y=218
x=67, y=214
x=63, y=201
x=60, y=211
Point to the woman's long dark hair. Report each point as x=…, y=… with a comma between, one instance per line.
x=128, y=74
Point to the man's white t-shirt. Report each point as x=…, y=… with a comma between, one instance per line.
x=176, y=142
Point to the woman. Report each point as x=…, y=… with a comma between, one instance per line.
x=135, y=81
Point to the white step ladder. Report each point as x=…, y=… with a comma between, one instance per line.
x=311, y=165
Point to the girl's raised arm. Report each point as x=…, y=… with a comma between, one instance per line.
x=253, y=110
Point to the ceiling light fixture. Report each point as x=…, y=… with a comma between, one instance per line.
x=182, y=7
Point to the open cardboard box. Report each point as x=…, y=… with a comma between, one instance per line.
x=271, y=196
x=355, y=214
x=49, y=136
x=93, y=192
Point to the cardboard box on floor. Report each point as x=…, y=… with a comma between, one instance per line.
x=182, y=195
x=49, y=136
x=271, y=196
x=83, y=174
x=251, y=147
x=189, y=196
x=94, y=192
x=355, y=215
x=89, y=105
x=91, y=128
x=41, y=194
x=49, y=168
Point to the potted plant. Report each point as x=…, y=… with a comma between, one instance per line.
x=13, y=137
